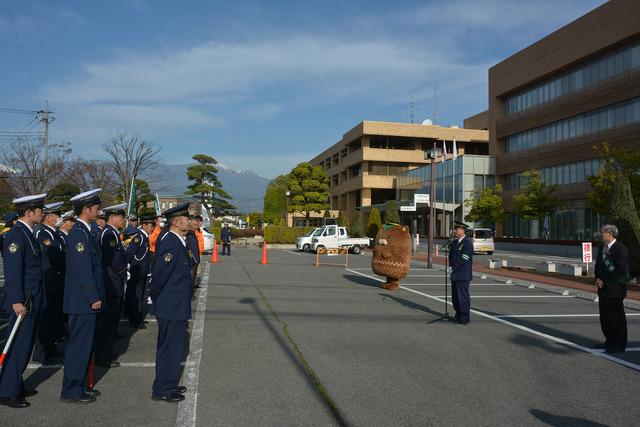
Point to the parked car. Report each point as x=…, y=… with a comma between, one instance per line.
x=303, y=243
x=334, y=237
x=208, y=240
x=482, y=239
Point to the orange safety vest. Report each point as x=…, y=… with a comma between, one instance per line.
x=200, y=240
x=153, y=237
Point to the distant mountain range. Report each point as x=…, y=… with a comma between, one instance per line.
x=246, y=187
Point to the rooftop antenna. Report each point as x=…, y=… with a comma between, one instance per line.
x=434, y=115
x=413, y=107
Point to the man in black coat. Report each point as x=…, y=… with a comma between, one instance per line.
x=225, y=237
x=612, y=276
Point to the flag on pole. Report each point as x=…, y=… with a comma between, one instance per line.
x=455, y=150
x=132, y=197
x=156, y=205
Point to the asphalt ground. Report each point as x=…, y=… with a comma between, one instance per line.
x=291, y=344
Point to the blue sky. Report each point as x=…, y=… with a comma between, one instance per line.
x=258, y=85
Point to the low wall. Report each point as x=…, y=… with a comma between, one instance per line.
x=569, y=250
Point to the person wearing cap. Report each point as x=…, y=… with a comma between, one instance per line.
x=115, y=259
x=53, y=265
x=132, y=221
x=9, y=220
x=194, y=252
x=171, y=295
x=24, y=296
x=68, y=219
x=460, y=268
x=98, y=225
x=139, y=269
x=83, y=298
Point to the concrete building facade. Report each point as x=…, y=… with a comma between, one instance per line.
x=552, y=102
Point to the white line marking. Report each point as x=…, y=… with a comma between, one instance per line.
x=518, y=316
x=187, y=409
x=122, y=365
x=448, y=284
x=552, y=338
x=600, y=350
x=512, y=296
x=146, y=320
x=293, y=253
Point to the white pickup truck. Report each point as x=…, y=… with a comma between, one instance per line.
x=334, y=237
x=304, y=242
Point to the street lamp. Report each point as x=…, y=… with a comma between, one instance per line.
x=432, y=154
x=286, y=209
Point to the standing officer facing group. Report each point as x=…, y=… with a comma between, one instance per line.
x=24, y=296
x=461, y=268
x=140, y=266
x=612, y=276
x=171, y=296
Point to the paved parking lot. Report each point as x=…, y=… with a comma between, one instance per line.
x=289, y=344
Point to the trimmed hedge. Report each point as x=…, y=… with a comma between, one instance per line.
x=274, y=234
x=237, y=233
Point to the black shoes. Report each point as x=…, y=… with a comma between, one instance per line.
x=93, y=392
x=180, y=389
x=172, y=398
x=82, y=399
x=14, y=402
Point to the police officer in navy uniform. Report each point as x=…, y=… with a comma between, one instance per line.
x=68, y=219
x=83, y=298
x=24, y=296
x=115, y=259
x=139, y=269
x=171, y=296
x=194, y=251
x=53, y=266
x=97, y=225
x=460, y=268
x=9, y=220
x=612, y=277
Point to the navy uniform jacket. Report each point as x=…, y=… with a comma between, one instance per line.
x=96, y=231
x=461, y=260
x=115, y=260
x=140, y=260
x=84, y=284
x=171, y=279
x=225, y=235
x=613, y=270
x=53, y=258
x=193, y=248
x=22, y=269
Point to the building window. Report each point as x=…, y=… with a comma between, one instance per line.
x=570, y=173
x=615, y=115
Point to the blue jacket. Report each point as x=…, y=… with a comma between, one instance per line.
x=461, y=260
x=84, y=284
x=140, y=260
x=171, y=279
x=22, y=269
x=53, y=258
x=114, y=261
x=193, y=248
x=225, y=235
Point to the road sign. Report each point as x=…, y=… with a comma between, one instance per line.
x=410, y=208
x=421, y=198
x=587, y=256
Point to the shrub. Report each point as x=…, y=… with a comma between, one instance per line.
x=237, y=233
x=391, y=214
x=356, y=229
x=274, y=234
x=374, y=223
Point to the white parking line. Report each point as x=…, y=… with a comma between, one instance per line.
x=294, y=253
x=448, y=284
x=555, y=339
x=513, y=296
x=187, y=409
x=122, y=365
x=536, y=316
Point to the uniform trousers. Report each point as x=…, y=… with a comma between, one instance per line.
x=226, y=248
x=50, y=327
x=82, y=329
x=461, y=300
x=134, y=300
x=18, y=356
x=106, y=329
x=613, y=322
x=172, y=340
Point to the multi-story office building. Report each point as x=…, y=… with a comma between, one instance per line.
x=552, y=102
x=364, y=165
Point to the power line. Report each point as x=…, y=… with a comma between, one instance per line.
x=24, y=59
x=17, y=111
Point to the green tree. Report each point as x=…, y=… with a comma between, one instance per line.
x=143, y=195
x=486, y=206
x=255, y=220
x=343, y=220
x=374, y=223
x=356, y=230
x=6, y=197
x=309, y=186
x=207, y=188
x=391, y=213
x=275, y=199
x=537, y=200
x=62, y=193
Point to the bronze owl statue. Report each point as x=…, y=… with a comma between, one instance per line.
x=392, y=254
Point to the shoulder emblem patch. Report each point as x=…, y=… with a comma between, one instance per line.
x=47, y=242
x=80, y=247
x=112, y=243
x=13, y=248
x=136, y=239
x=168, y=258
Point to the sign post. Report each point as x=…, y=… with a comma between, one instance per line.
x=587, y=254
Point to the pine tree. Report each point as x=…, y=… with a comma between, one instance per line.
x=356, y=230
x=207, y=188
x=374, y=223
x=391, y=213
x=309, y=186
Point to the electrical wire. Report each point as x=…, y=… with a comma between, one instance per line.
x=24, y=59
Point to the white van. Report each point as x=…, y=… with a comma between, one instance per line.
x=482, y=239
x=303, y=243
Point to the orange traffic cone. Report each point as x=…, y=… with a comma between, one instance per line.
x=264, y=260
x=214, y=252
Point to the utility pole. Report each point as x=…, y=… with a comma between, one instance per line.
x=434, y=115
x=45, y=117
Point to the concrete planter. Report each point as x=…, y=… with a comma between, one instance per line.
x=570, y=269
x=546, y=267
